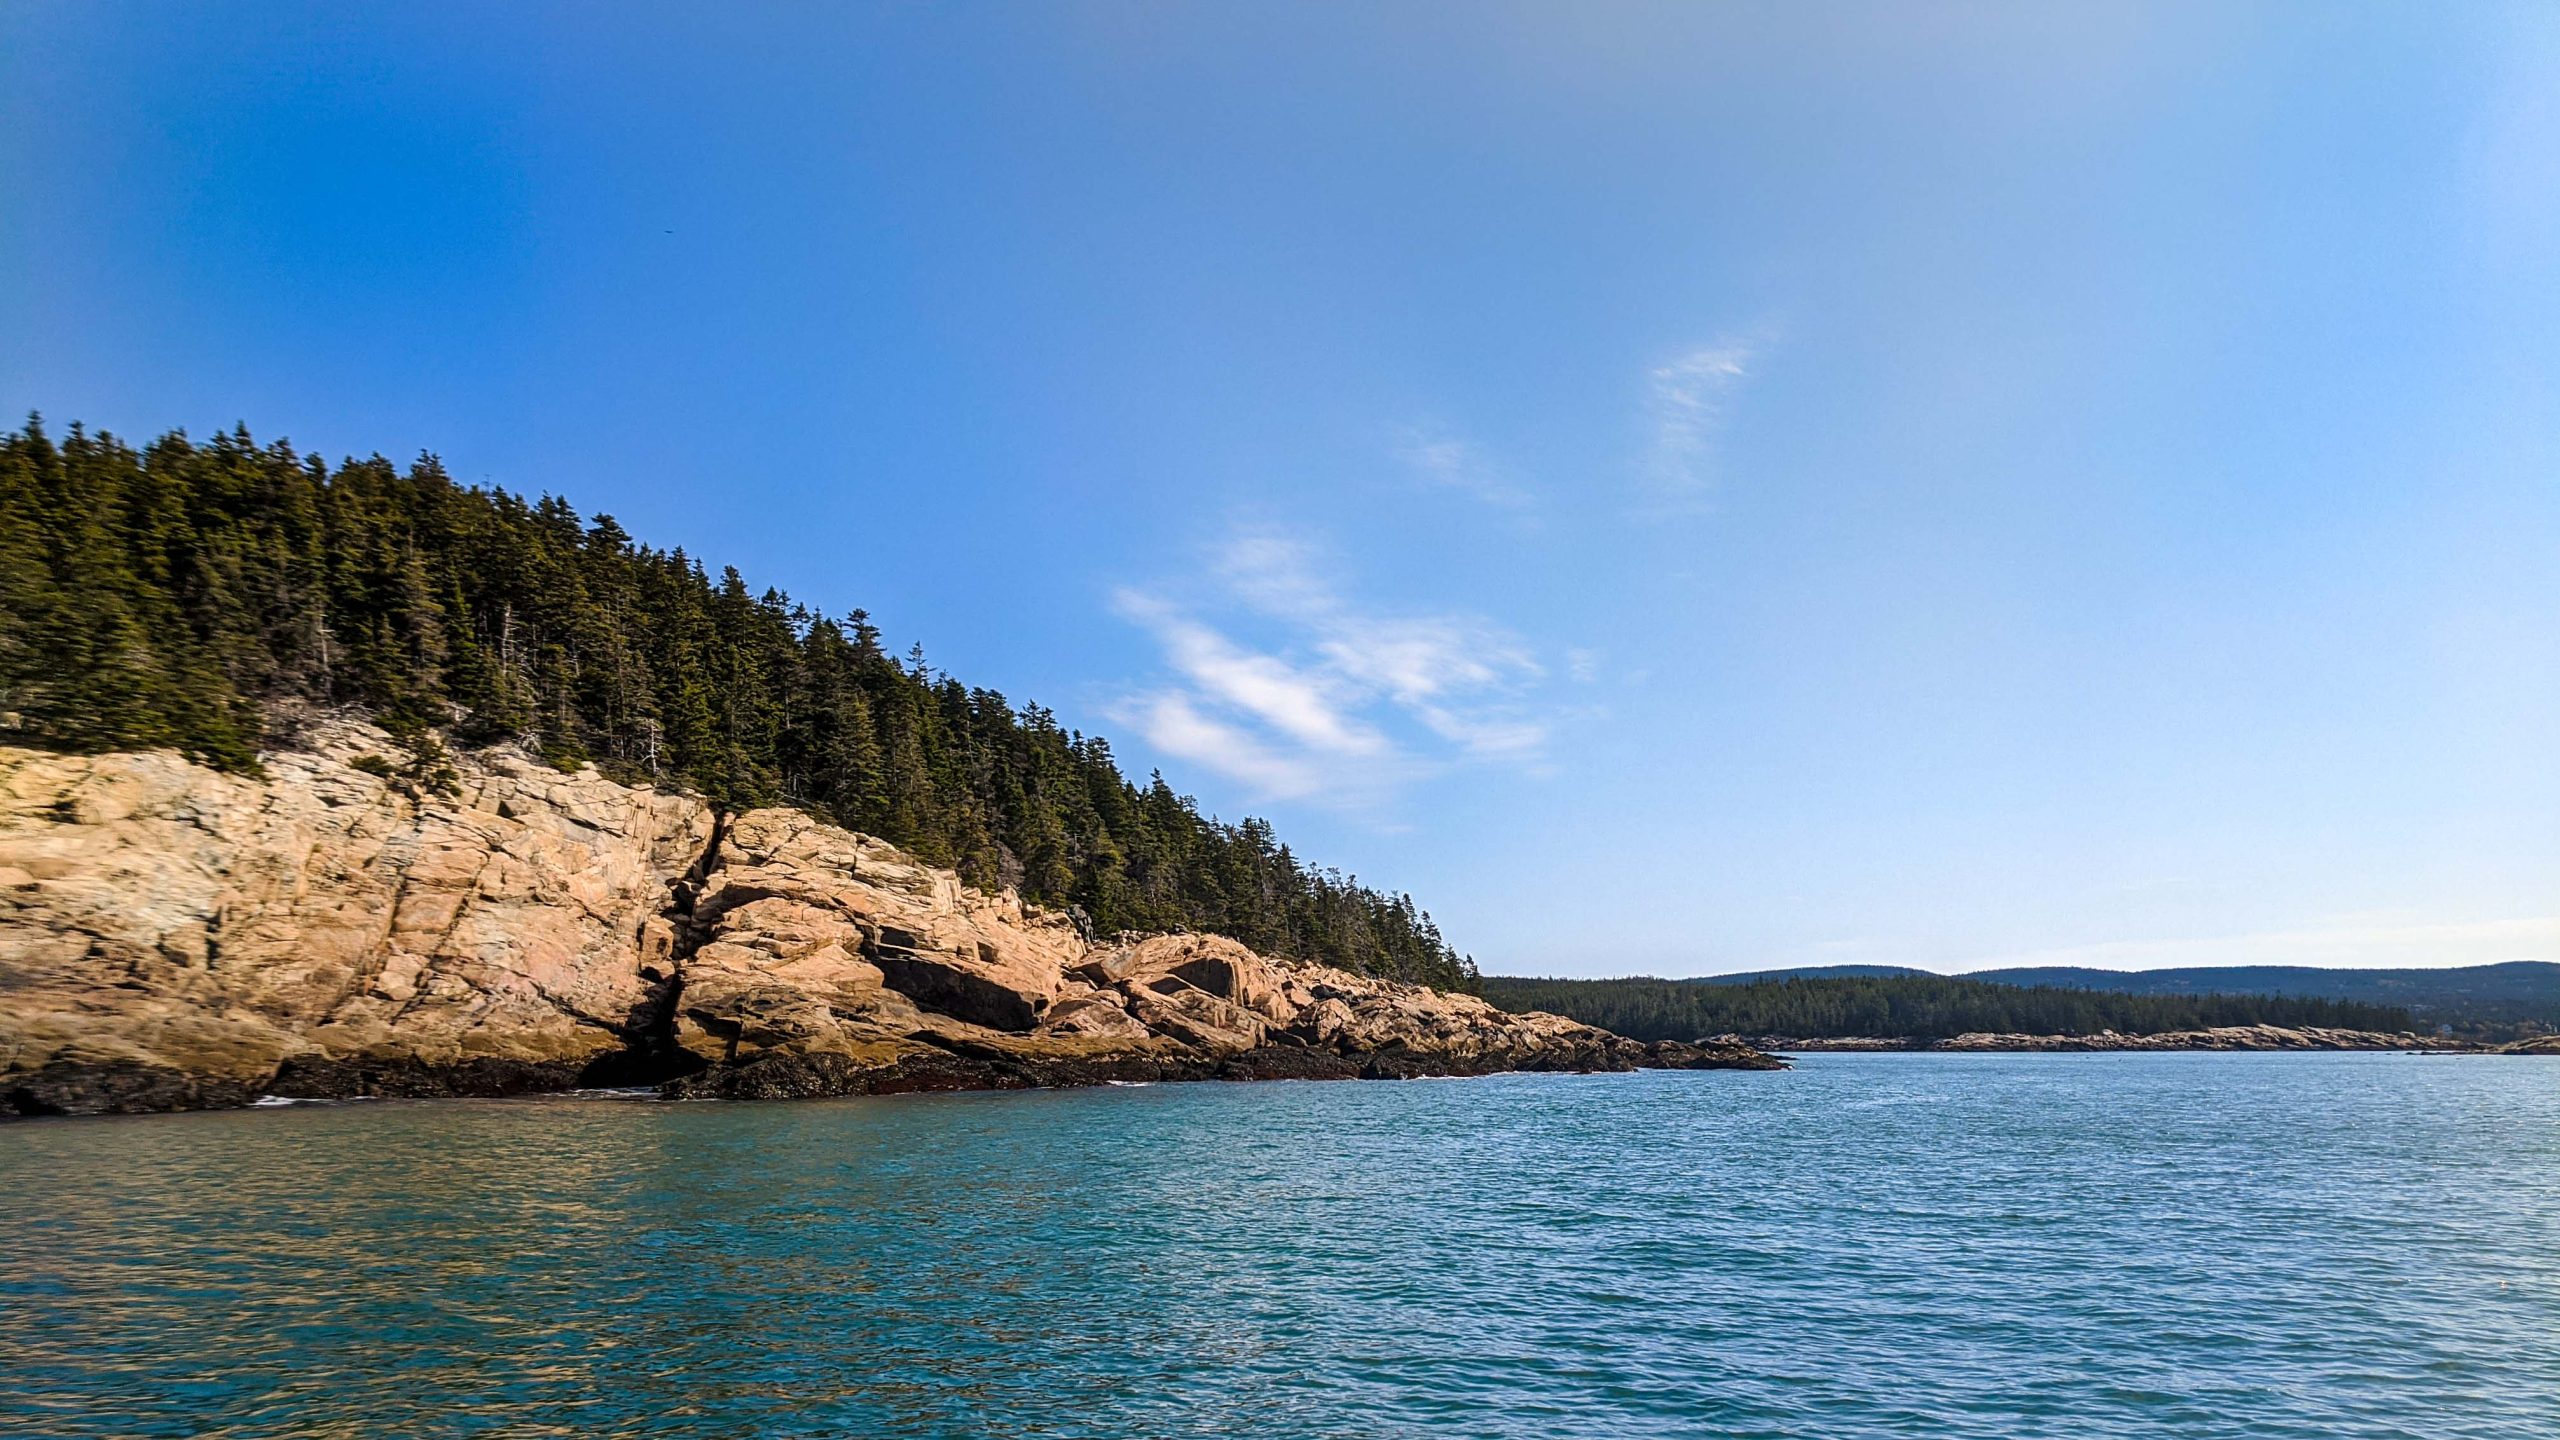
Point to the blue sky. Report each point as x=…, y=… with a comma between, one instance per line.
x=1678, y=488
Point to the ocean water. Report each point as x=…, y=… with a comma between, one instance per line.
x=1890, y=1245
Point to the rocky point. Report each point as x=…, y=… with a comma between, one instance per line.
x=173, y=937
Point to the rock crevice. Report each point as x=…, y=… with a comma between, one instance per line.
x=175, y=938
x=665, y=942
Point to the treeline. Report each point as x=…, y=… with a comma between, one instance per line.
x=185, y=595
x=1917, y=1007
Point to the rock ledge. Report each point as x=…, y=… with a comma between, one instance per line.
x=175, y=938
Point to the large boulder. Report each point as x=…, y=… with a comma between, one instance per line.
x=785, y=975
x=1099, y=1015
x=1199, y=1019
x=976, y=957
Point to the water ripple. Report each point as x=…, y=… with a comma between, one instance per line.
x=1878, y=1245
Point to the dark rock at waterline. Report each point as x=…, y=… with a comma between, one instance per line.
x=115, y=1088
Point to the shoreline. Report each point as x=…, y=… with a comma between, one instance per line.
x=2235, y=1039
x=176, y=938
x=823, y=1082
x=953, y=1064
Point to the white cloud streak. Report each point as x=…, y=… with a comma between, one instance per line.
x=1455, y=464
x=1351, y=704
x=1307, y=707
x=1688, y=399
x=1173, y=724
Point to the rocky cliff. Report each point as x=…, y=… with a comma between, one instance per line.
x=172, y=937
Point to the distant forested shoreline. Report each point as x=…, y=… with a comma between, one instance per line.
x=186, y=595
x=1909, y=1007
x=2507, y=999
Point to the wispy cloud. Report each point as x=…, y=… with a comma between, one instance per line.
x=1345, y=702
x=1173, y=724
x=1460, y=465
x=1688, y=399
x=1307, y=707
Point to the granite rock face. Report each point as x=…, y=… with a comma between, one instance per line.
x=173, y=938
x=202, y=937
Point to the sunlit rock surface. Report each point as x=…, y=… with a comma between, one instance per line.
x=173, y=938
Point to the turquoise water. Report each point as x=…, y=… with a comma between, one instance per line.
x=2065, y=1245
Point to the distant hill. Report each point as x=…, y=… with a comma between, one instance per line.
x=1919, y=1006
x=2517, y=992
x=1822, y=972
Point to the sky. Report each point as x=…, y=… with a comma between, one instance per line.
x=1676, y=488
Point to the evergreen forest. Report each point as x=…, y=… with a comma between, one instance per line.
x=197, y=596
x=1923, y=1007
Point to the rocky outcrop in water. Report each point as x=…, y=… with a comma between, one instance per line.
x=176, y=938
